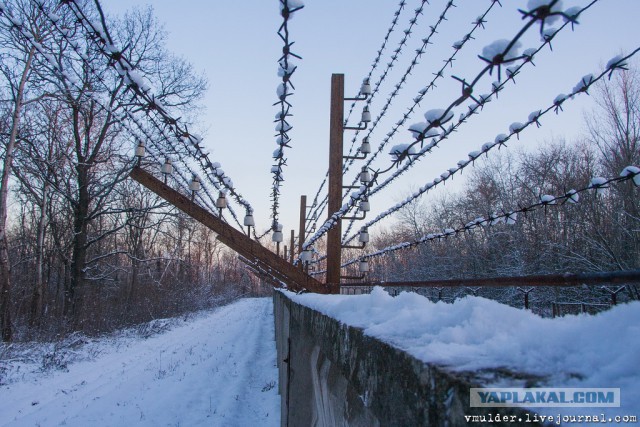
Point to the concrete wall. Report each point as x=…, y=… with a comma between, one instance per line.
x=333, y=375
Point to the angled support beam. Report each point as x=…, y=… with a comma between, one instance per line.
x=234, y=239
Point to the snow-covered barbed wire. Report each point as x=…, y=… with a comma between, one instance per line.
x=168, y=151
x=433, y=29
x=436, y=118
x=436, y=122
x=319, y=209
x=124, y=118
x=500, y=140
x=171, y=153
x=596, y=184
x=286, y=69
x=478, y=23
x=390, y=65
x=260, y=236
x=457, y=47
x=146, y=100
x=376, y=61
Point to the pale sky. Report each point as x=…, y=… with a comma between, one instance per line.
x=235, y=44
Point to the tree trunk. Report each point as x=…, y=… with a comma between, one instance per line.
x=73, y=291
x=38, y=288
x=5, y=264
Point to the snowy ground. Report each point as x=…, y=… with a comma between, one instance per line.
x=215, y=370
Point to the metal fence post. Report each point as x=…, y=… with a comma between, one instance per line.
x=335, y=180
x=303, y=221
x=293, y=238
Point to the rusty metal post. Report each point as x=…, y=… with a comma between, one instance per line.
x=284, y=255
x=614, y=293
x=525, y=292
x=334, y=235
x=293, y=238
x=303, y=220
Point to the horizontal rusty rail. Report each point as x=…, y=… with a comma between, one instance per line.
x=568, y=279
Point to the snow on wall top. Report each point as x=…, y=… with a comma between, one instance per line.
x=475, y=333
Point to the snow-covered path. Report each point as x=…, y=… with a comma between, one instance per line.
x=217, y=370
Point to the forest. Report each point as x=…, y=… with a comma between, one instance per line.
x=84, y=248
x=600, y=232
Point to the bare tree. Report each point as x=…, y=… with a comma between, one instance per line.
x=39, y=161
x=614, y=127
x=99, y=144
x=18, y=93
x=17, y=70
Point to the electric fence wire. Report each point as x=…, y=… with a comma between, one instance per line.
x=585, y=83
x=285, y=89
x=598, y=184
x=121, y=117
x=213, y=171
x=502, y=54
x=477, y=23
x=170, y=148
x=147, y=101
x=376, y=61
x=500, y=51
x=394, y=57
x=419, y=52
x=390, y=65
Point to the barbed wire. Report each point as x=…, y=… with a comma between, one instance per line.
x=285, y=89
x=376, y=61
x=210, y=204
x=319, y=208
x=437, y=120
x=190, y=150
x=515, y=128
x=390, y=65
x=597, y=184
x=136, y=83
x=398, y=86
x=457, y=47
x=499, y=52
x=396, y=90
x=383, y=76
x=121, y=118
x=401, y=155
